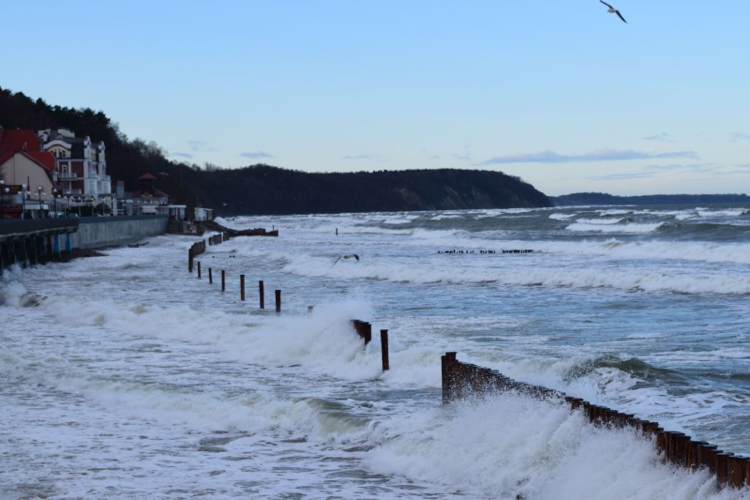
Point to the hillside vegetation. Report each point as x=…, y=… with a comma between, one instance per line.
x=262, y=189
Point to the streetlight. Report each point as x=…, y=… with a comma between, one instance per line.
x=40, y=190
x=78, y=202
x=23, y=201
x=54, y=200
x=5, y=192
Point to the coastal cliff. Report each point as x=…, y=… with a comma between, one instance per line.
x=262, y=189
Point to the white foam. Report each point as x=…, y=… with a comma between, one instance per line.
x=625, y=229
x=510, y=446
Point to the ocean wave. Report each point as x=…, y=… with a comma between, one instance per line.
x=624, y=229
x=598, y=221
x=561, y=216
x=514, y=447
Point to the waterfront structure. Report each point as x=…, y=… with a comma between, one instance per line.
x=27, y=175
x=148, y=199
x=204, y=214
x=80, y=163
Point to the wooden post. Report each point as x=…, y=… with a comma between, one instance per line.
x=242, y=287
x=199, y=270
x=262, y=295
x=278, y=301
x=448, y=376
x=367, y=327
x=722, y=460
x=210, y=276
x=223, y=282
x=384, y=349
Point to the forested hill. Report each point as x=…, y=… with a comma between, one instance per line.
x=262, y=189
x=577, y=199
x=268, y=190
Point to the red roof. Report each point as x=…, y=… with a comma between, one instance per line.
x=47, y=160
x=19, y=140
x=44, y=160
x=146, y=177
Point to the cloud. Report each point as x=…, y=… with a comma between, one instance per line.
x=597, y=155
x=195, y=145
x=660, y=137
x=256, y=155
x=184, y=155
x=360, y=157
x=692, y=167
x=738, y=137
x=619, y=177
x=462, y=156
x=656, y=170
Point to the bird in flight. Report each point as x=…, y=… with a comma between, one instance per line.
x=614, y=11
x=350, y=256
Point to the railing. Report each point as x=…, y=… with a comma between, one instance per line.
x=22, y=227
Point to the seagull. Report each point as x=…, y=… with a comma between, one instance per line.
x=354, y=255
x=615, y=11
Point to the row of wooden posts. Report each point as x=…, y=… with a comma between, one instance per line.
x=363, y=329
x=462, y=380
x=200, y=247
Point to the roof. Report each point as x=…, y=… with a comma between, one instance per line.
x=19, y=140
x=146, y=177
x=154, y=193
x=44, y=160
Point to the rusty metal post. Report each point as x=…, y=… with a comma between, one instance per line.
x=262, y=296
x=223, y=281
x=278, y=301
x=210, y=276
x=199, y=270
x=242, y=287
x=384, y=349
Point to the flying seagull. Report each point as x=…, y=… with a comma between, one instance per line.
x=615, y=11
x=354, y=255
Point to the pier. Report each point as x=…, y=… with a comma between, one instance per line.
x=31, y=242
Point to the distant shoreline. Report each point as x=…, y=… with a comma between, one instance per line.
x=576, y=199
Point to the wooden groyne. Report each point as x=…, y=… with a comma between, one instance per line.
x=463, y=380
x=481, y=252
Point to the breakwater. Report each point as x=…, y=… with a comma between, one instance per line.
x=464, y=380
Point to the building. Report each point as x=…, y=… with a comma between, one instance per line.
x=204, y=214
x=80, y=164
x=27, y=174
x=147, y=199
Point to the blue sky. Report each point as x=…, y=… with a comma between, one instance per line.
x=561, y=93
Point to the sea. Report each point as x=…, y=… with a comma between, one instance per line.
x=125, y=376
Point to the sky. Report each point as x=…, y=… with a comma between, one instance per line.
x=560, y=93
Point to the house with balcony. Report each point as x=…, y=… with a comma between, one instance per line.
x=81, y=165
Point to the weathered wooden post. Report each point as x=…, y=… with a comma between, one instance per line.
x=384, y=349
x=278, y=301
x=242, y=287
x=262, y=295
x=223, y=281
x=199, y=270
x=210, y=277
x=449, y=376
x=722, y=462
